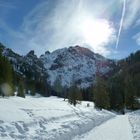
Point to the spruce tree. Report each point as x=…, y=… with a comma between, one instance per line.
x=21, y=90
x=130, y=93
x=6, y=74
x=74, y=95
x=116, y=92
x=101, y=95
x=58, y=87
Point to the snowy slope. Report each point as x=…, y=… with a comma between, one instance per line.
x=46, y=118
x=76, y=64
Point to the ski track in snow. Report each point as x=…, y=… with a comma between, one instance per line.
x=47, y=119
x=117, y=128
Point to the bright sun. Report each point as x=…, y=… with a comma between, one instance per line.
x=95, y=31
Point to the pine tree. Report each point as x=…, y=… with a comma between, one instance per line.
x=21, y=90
x=101, y=95
x=58, y=87
x=6, y=74
x=74, y=95
x=116, y=93
x=130, y=93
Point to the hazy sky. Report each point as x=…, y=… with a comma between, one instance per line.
x=108, y=27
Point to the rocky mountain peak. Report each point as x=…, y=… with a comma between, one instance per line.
x=75, y=61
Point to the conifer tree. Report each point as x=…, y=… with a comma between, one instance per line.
x=101, y=95
x=57, y=86
x=130, y=93
x=21, y=90
x=6, y=73
x=74, y=95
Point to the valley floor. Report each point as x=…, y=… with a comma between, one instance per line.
x=52, y=118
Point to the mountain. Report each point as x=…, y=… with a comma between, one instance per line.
x=27, y=66
x=74, y=64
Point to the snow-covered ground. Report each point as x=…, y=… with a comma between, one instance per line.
x=47, y=118
x=134, y=119
x=117, y=128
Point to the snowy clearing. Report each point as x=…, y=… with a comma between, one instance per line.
x=47, y=118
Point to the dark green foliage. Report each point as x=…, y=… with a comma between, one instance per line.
x=125, y=85
x=21, y=89
x=58, y=87
x=101, y=94
x=87, y=94
x=136, y=83
x=116, y=92
x=130, y=93
x=74, y=95
x=42, y=88
x=65, y=92
x=6, y=73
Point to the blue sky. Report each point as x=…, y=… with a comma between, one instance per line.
x=42, y=25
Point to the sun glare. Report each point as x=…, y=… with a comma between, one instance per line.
x=95, y=31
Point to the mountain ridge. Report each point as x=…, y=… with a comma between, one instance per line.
x=73, y=64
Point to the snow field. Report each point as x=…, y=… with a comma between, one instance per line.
x=47, y=118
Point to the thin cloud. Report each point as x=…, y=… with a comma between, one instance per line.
x=137, y=38
x=121, y=23
x=137, y=23
x=132, y=13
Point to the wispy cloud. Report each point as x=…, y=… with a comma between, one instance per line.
x=137, y=38
x=137, y=23
x=56, y=27
x=132, y=18
x=132, y=13
x=54, y=24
